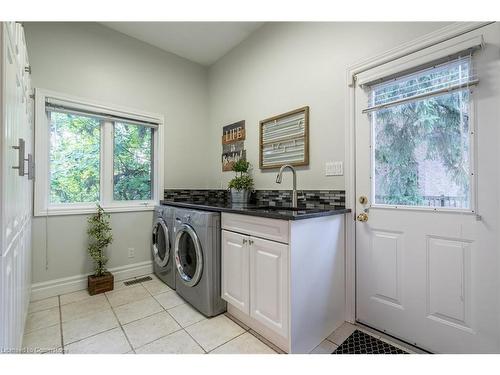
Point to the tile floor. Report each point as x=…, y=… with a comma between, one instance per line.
x=147, y=317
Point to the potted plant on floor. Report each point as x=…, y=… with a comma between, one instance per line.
x=242, y=184
x=100, y=235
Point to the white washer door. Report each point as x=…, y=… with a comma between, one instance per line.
x=188, y=255
x=161, y=243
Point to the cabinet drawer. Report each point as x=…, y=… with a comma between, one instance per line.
x=272, y=229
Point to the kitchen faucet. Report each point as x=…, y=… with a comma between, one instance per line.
x=279, y=177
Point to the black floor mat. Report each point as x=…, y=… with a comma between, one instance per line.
x=362, y=343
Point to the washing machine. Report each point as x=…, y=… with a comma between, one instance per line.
x=162, y=244
x=197, y=249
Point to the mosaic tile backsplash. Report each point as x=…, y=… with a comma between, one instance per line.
x=197, y=195
x=281, y=198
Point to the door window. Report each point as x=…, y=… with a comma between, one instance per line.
x=422, y=138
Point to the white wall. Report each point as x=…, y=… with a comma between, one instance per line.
x=280, y=67
x=94, y=62
x=60, y=244
x=284, y=66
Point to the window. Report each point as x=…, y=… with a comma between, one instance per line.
x=74, y=158
x=422, y=137
x=88, y=154
x=132, y=162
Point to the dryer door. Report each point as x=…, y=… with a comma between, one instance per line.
x=188, y=255
x=161, y=243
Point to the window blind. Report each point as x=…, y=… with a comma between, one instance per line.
x=106, y=114
x=457, y=74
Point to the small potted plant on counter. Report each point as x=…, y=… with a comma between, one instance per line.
x=241, y=185
x=100, y=235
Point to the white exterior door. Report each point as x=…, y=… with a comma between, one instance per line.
x=269, y=284
x=430, y=275
x=235, y=269
x=16, y=191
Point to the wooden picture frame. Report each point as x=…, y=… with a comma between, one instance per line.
x=302, y=138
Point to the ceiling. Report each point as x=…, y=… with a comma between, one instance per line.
x=201, y=42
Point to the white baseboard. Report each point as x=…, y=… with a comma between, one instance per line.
x=74, y=283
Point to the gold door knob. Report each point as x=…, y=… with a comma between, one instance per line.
x=362, y=217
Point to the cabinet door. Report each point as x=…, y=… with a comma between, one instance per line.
x=235, y=268
x=269, y=284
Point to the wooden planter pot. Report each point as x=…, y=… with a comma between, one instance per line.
x=100, y=284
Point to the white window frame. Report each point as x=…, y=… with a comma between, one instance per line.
x=42, y=206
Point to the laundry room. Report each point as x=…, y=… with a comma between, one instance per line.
x=241, y=185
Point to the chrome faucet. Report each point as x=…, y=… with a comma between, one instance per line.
x=279, y=178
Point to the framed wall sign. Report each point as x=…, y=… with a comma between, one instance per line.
x=233, y=137
x=284, y=139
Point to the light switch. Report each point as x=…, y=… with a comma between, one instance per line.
x=334, y=168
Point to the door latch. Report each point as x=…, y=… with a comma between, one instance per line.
x=363, y=217
x=363, y=199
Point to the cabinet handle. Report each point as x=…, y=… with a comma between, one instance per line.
x=20, y=151
x=244, y=241
x=250, y=242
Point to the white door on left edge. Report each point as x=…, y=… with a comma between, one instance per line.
x=427, y=160
x=16, y=191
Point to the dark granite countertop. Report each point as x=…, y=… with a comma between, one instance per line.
x=272, y=212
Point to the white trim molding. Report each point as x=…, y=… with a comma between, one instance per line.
x=444, y=34
x=428, y=40
x=41, y=193
x=65, y=285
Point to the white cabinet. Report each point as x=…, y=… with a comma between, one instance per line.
x=15, y=191
x=269, y=284
x=235, y=289
x=272, y=229
x=255, y=278
x=285, y=279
